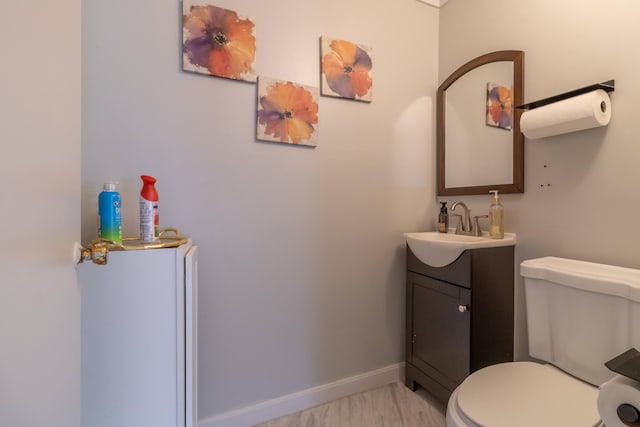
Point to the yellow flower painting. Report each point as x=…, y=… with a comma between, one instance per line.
x=217, y=42
x=287, y=112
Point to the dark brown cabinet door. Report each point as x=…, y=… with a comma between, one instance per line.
x=459, y=318
x=441, y=328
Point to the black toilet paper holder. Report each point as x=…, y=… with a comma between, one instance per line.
x=627, y=364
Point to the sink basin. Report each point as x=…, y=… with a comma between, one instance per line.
x=440, y=249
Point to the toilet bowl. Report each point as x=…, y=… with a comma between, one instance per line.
x=579, y=315
x=523, y=394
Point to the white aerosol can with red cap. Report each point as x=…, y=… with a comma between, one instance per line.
x=149, y=218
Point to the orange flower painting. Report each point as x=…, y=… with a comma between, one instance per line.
x=287, y=112
x=217, y=42
x=346, y=69
x=499, y=106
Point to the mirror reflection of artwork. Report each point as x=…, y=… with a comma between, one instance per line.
x=346, y=69
x=471, y=156
x=499, y=106
x=217, y=42
x=287, y=112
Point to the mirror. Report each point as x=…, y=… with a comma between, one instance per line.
x=476, y=153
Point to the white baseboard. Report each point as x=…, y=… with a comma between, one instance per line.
x=304, y=399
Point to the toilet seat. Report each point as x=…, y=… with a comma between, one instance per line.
x=525, y=394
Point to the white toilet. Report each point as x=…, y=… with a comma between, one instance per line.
x=579, y=315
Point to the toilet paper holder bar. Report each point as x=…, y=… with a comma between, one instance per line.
x=608, y=86
x=626, y=364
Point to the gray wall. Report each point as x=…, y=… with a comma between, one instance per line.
x=590, y=210
x=302, y=253
x=40, y=214
x=302, y=249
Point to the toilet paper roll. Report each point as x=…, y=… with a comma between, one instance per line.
x=581, y=112
x=617, y=391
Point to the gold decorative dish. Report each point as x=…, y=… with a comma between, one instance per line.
x=134, y=243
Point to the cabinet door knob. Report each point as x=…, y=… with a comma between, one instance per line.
x=463, y=308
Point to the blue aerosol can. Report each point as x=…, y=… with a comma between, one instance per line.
x=110, y=213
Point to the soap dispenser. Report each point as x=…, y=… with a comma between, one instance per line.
x=443, y=218
x=496, y=215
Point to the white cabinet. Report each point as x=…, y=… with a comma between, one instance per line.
x=138, y=339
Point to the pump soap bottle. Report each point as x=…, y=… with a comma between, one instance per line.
x=443, y=219
x=496, y=215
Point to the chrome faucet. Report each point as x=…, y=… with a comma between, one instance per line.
x=465, y=226
x=464, y=223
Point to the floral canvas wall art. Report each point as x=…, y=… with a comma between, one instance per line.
x=346, y=69
x=499, y=106
x=217, y=42
x=287, y=112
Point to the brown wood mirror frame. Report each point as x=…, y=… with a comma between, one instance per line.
x=517, y=186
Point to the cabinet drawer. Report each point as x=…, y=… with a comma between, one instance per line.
x=458, y=272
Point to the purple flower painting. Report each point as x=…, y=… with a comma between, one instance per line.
x=217, y=42
x=499, y=106
x=346, y=69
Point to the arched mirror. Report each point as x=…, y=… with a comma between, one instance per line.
x=479, y=143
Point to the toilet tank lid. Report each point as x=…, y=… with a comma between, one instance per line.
x=588, y=276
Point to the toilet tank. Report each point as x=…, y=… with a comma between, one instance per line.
x=581, y=314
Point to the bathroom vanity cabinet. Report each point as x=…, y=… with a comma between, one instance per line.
x=459, y=317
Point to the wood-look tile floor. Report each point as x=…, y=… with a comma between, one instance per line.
x=389, y=406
